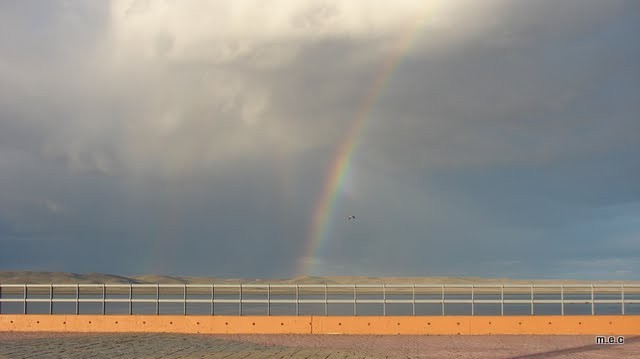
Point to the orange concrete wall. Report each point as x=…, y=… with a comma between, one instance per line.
x=157, y=323
x=594, y=325
x=465, y=325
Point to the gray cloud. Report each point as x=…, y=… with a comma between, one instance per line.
x=195, y=138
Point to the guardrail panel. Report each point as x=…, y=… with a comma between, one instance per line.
x=320, y=299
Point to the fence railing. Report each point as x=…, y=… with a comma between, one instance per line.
x=321, y=299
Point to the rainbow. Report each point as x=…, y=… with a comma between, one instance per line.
x=341, y=161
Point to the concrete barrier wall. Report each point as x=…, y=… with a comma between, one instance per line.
x=466, y=325
x=449, y=325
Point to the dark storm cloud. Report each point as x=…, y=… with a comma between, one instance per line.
x=137, y=137
x=522, y=153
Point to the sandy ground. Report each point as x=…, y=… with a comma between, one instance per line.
x=446, y=346
x=82, y=345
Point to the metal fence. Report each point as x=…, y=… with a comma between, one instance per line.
x=321, y=299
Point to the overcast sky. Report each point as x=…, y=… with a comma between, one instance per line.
x=196, y=137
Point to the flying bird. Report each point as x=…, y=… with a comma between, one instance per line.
x=351, y=217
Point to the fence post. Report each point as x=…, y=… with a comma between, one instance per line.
x=502, y=299
x=213, y=295
x=413, y=300
x=442, y=299
x=622, y=299
x=104, y=299
x=473, y=286
x=157, y=298
x=24, y=293
x=269, y=299
x=355, y=309
x=561, y=299
x=51, y=298
x=593, y=309
x=77, y=299
x=240, y=305
x=326, y=301
x=531, y=294
x=130, y=299
x=184, y=298
x=384, y=299
x=297, y=299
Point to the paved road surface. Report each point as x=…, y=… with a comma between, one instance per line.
x=175, y=346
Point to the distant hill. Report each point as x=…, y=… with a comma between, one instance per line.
x=162, y=279
x=62, y=278
x=29, y=277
